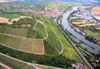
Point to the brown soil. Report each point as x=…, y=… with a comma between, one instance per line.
x=40, y=22
x=96, y=10
x=74, y=17
x=86, y=25
x=5, y=20
x=86, y=6
x=16, y=19
x=81, y=22
x=98, y=28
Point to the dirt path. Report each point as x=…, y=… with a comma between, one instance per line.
x=5, y=66
x=36, y=22
x=45, y=28
x=57, y=37
x=32, y=64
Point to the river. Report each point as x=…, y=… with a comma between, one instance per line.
x=80, y=37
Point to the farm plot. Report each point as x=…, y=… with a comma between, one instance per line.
x=96, y=10
x=68, y=50
x=81, y=22
x=12, y=63
x=40, y=28
x=25, y=25
x=9, y=16
x=74, y=17
x=2, y=29
x=87, y=25
x=98, y=28
x=5, y=20
x=25, y=44
x=16, y=19
x=17, y=32
x=40, y=22
x=32, y=45
x=96, y=35
x=52, y=38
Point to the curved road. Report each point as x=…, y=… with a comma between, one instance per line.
x=57, y=37
x=44, y=28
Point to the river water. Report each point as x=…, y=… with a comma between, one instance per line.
x=80, y=37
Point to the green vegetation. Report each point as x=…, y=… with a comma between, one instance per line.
x=30, y=67
x=33, y=34
x=38, y=17
x=52, y=38
x=57, y=61
x=96, y=35
x=2, y=29
x=9, y=16
x=68, y=50
x=49, y=49
x=11, y=63
x=40, y=28
x=17, y=31
x=31, y=45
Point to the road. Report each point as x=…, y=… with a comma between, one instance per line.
x=44, y=28
x=32, y=64
x=5, y=66
x=74, y=45
x=57, y=37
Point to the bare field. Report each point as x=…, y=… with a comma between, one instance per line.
x=74, y=17
x=96, y=10
x=16, y=19
x=40, y=22
x=81, y=22
x=5, y=20
x=87, y=25
x=86, y=6
x=17, y=32
x=98, y=28
x=25, y=25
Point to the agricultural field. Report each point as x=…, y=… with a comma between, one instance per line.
x=9, y=16
x=96, y=10
x=52, y=38
x=40, y=28
x=87, y=25
x=32, y=45
x=2, y=29
x=74, y=17
x=5, y=20
x=86, y=6
x=16, y=19
x=25, y=44
x=12, y=63
x=17, y=32
x=68, y=50
x=29, y=67
x=80, y=22
x=96, y=35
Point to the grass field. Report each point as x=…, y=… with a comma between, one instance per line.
x=52, y=38
x=9, y=16
x=40, y=28
x=68, y=50
x=30, y=67
x=96, y=35
x=31, y=45
x=12, y=63
x=37, y=17
x=2, y=29
x=17, y=31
